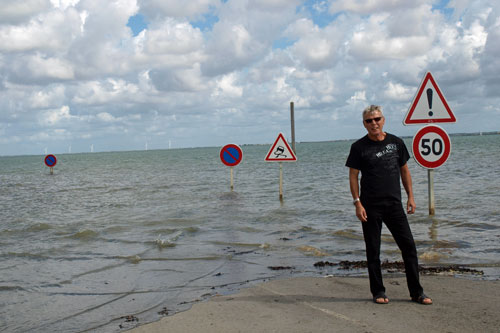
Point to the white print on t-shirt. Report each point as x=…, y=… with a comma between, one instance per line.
x=391, y=147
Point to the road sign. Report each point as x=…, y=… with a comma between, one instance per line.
x=431, y=146
x=231, y=155
x=50, y=160
x=429, y=105
x=280, y=151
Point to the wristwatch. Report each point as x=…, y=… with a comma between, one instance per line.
x=355, y=200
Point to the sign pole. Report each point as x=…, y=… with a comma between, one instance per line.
x=232, y=179
x=430, y=176
x=51, y=170
x=292, y=118
x=281, y=181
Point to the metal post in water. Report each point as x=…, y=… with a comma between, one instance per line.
x=232, y=179
x=51, y=170
x=430, y=176
x=281, y=181
x=292, y=118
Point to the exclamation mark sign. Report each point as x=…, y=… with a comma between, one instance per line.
x=429, y=100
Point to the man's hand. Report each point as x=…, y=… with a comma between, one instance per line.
x=354, y=186
x=407, y=183
x=361, y=212
x=410, y=206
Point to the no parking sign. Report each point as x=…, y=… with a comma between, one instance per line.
x=231, y=155
x=50, y=160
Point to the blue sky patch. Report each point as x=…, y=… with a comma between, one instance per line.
x=442, y=7
x=206, y=23
x=317, y=10
x=137, y=23
x=283, y=43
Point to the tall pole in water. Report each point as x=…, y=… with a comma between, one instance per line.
x=231, y=179
x=292, y=119
x=281, y=181
x=430, y=176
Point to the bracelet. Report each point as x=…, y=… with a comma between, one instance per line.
x=355, y=200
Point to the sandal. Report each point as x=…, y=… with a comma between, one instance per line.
x=380, y=298
x=421, y=299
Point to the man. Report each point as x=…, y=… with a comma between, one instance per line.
x=382, y=159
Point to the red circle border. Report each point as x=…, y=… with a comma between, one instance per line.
x=221, y=154
x=55, y=160
x=447, y=146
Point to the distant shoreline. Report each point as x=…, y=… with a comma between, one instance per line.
x=469, y=134
x=402, y=136
x=249, y=144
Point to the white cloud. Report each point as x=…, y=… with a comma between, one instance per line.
x=276, y=6
x=106, y=91
x=398, y=92
x=244, y=34
x=373, y=40
x=41, y=67
x=55, y=116
x=176, y=8
x=232, y=46
x=316, y=52
x=227, y=86
x=64, y=4
x=106, y=117
x=172, y=38
x=73, y=70
x=49, y=31
x=365, y=7
x=49, y=97
x=14, y=12
x=489, y=60
x=188, y=79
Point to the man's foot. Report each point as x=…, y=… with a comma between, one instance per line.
x=422, y=299
x=380, y=299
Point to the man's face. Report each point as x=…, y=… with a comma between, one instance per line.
x=374, y=123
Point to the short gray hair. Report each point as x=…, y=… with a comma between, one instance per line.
x=372, y=108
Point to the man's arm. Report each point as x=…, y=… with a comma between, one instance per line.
x=407, y=183
x=354, y=185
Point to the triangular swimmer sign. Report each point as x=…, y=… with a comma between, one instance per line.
x=280, y=151
x=429, y=105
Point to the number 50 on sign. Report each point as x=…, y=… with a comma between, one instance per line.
x=431, y=146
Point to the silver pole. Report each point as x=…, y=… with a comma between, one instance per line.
x=281, y=181
x=292, y=118
x=430, y=176
x=232, y=179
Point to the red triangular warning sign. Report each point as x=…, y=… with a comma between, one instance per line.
x=280, y=151
x=429, y=105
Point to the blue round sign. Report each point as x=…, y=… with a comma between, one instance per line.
x=231, y=155
x=50, y=160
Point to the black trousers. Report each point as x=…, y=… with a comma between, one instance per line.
x=396, y=221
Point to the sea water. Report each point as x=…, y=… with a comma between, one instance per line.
x=112, y=240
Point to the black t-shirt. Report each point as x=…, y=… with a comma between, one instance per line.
x=379, y=163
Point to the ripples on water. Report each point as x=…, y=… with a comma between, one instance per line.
x=114, y=234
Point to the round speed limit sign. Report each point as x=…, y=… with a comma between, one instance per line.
x=431, y=146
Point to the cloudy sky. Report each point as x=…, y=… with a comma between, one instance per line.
x=123, y=74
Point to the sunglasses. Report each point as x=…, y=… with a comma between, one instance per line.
x=369, y=120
